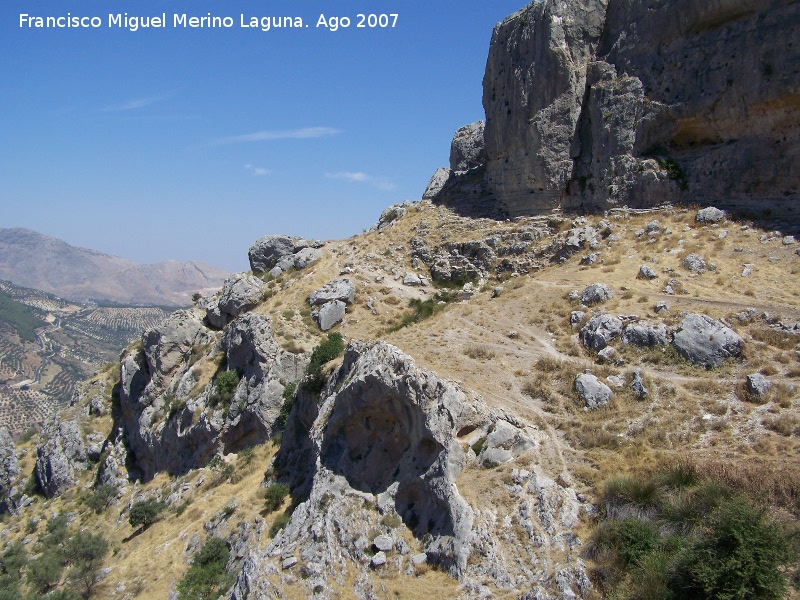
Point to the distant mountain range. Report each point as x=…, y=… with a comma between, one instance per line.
x=38, y=261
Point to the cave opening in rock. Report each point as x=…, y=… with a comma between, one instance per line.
x=376, y=437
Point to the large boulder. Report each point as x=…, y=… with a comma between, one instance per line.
x=645, y=335
x=59, y=456
x=329, y=314
x=240, y=293
x=343, y=290
x=591, y=391
x=467, y=148
x=704, y=341
x=169, y=344
x=710, y=214
x=596, y=293
x=265, y=253
x=600, y=330
x=282, y=252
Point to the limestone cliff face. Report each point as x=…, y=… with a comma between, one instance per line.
x=602, y=102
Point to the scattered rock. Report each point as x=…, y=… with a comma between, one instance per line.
x=342, y=290
x=747, y=270
x=661, y=307
x=637, y=385
x=590, y=259
x=607, y=354
x=240, y=293
x=575, y=317
x=694, y=263
x=596, y=293
x=383, y=543
x=497, y=291
x=703, y=341
x=419, y=559
x=646, y=272
x=591, y=391
x=709, y=214
x=757, y=385
x=788, y=240
x=412, y=279
x=288, y=562
x=378, y=560
x=306, y=257
x=600, y=330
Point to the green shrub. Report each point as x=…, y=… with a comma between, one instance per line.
x=281, y=521
x=145, y=513
x=692, y=538
x=288, y=404
x=207, y=577
x=274, y=496
x=740, y=556
x=325, y=352
x=225, y=387
x=13, y=559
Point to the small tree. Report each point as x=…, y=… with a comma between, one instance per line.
x=145, y=513
x=85, y=553
x=44, y=572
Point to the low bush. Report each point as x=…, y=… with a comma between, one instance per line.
x=274, y=496
x=207, y=577
x=225, y=387
x=325, y=352
x=679, y=535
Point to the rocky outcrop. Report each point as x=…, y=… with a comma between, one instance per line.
x=599, y=103
x=275, y=254
x=171, y=413
x=467, y=149
x=9, y=468
x=59, y=456
x=384, y=441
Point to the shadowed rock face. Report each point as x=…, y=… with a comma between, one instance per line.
x=376, y=438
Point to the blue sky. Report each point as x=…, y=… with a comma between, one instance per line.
x=192, y=143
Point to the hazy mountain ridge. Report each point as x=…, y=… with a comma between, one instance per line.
x=42, y=262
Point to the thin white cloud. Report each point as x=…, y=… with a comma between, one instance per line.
x=359, y=177
x=134, y=104
x=306, y=133
x=257, y=171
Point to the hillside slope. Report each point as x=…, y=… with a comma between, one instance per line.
x=45, y=263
